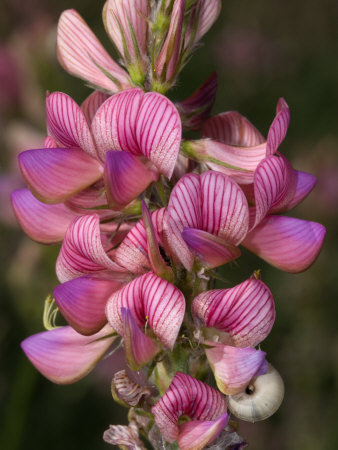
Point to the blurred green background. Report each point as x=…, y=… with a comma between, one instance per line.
x=261, y=50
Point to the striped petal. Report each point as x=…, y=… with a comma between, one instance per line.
x=287, y=243
x=124, y=436
x=82, y=251
x=142, y=124
x=139, y=348
x=209, y=11
x=196, y=435
x=305, y=182
x=81, y=54
x=67, y=124
x=246, y=312
x=153, y=300
x=49, y=143
x=278, y=128
x=82, y=302
x=125, y=178
x=31, y=214
x=190, y=397
x=91, y=104
x=64, y=356
x=54, y=175
x=234, y=367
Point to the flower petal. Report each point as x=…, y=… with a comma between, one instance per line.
x=92, y=103
x=278, y=128
x=305, y=182
x=67, y=124
x=82, y=302
x=81, y=54
x=124, y=436
x=55, y=174
x=210, y=10
x=153, y=300
x=187, y=396
x=82, y=251
x=234, y=367
x=64, y=356
x=287, y=243
x=31, y=214
x=246, y=311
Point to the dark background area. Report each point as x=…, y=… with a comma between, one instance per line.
x=261, y=50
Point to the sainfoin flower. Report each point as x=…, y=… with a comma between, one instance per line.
x=145, y=218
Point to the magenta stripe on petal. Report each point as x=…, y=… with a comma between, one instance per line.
x=64, y=356
x=234, y=367
x=67, y=124
x=287, y=243
x=153, y=300
x=82, y=251
x=91, y=104
x=53, y=175
x=187, y=396
x=278, y=128
x=210, y=10
x=246, y=311
x=82, y=302
x=42, y=223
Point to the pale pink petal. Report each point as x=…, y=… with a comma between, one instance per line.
x=234, y=367
x=67, y=124
x=82, y=302
x=41, y=222
x=231, y=128
x=211, y=250
x=82, y=251
x=92, y=103
x=196, y=435
x=278, y=128
x=287, y=243
x=124, y=436
x=81, y=54
x=139, y=348
x=125, y=178
x=246, y=311
x=210, y=10
x=190, y=397
x=153, y=300
x=54, y=175
x=305, y=182
x=49, y=143
x=64, y=356
x=196, y=109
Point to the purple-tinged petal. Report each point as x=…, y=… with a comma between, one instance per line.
x=305, y=182
x=231, y=128
x=287, y=243
x=82, y=251
x=234, y=367
x=196, y=109
x=153, y=300
x=67, y=124
x=246, y=311
x=125, y=178
x=139, y=348
x=278, y=128
x=54, y=175
x=91, y=104
x=81, y=54
x=41, y=222
x=196, y=434
x=64, y=356
x=49, y=143
x=210, y=10
x=82, y=302
x=187, y=396
x=211, y=250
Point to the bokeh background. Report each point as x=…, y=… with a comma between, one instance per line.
x=262, y=50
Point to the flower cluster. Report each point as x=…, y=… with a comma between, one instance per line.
x=145, y=218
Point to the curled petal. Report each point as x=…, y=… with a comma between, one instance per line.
x=81, y=54
x=124, y=436
x=187, y=396
x=64, y=356
x=92, y=103
x=246, y=311
x=125, y=390
x=82, y=251
x=196, y=435
x=67, y=124
x=49, y=143
x=125, y=178
x=278, y=128
x=153, y=300
x=82, y=302
x=31, y=214
x=234, y=367
x=287, y=243
x=305, y=182
x=55, y=174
